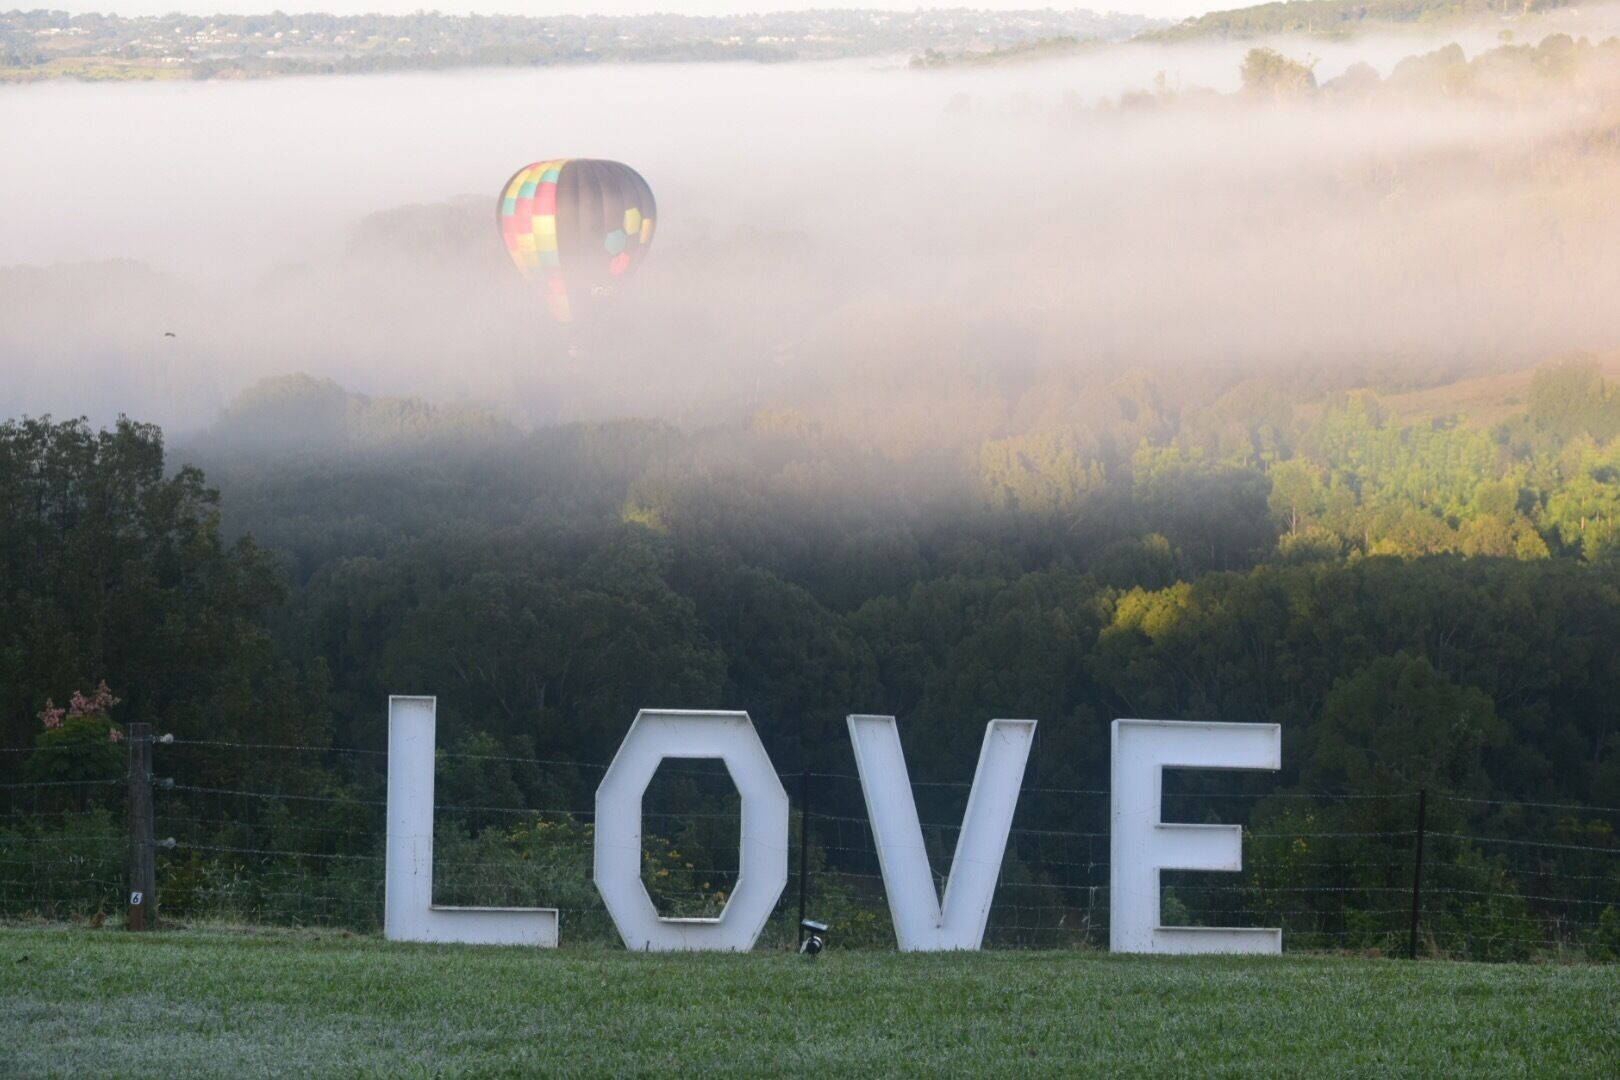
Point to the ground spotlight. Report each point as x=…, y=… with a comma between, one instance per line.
x=812, y=937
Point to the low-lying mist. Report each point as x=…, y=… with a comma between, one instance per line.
x=911, y=257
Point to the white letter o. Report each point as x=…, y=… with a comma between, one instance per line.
x=762, y=861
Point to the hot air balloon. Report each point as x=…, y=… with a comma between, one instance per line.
x=576, y=227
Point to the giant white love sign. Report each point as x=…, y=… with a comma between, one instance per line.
x=1142, y=844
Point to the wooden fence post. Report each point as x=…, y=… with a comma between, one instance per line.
x=1417, y=871
x=142, y=839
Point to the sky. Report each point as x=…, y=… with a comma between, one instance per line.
x=1155, y=8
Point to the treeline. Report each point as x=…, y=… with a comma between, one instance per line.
x=1336, y=17
x=1558, y=64
x=1420, y=605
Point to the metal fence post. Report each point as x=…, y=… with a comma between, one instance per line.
x=804, y=848
x=142, y=839
x=1417, y=871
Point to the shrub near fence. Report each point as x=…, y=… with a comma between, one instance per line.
x=301, y=844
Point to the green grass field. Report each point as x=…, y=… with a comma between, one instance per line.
x=82, y=1002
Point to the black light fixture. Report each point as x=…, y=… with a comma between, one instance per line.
x=812, y=937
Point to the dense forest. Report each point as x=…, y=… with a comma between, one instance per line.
x=1105, y=570
x=1420, y=603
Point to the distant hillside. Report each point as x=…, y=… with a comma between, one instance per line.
x=36, y=45
x=1334, y=17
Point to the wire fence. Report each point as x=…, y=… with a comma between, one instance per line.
x=294, y=835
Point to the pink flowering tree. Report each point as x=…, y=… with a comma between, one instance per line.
x=80, y=741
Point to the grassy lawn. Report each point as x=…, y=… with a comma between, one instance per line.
x=83, y=1002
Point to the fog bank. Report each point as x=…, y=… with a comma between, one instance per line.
x=855, y=241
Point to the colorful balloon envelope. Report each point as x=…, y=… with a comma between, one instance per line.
x=576, y=227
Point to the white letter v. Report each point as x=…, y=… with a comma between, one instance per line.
x=921, y=922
